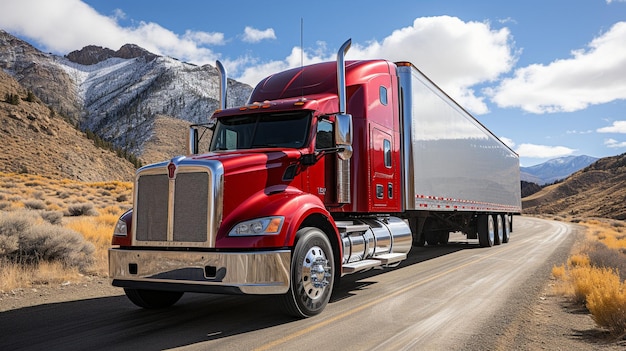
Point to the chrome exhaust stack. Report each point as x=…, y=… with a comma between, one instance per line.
x=223, y=84
x=343, y=129
x=194, y=137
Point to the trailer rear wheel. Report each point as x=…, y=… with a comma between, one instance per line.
x=444, y=237
x=152, y=299
x=312, y=274
x=486, y=230
x=499, y=229
x=507, y=228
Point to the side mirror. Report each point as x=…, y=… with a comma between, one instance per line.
x=193, y=140
x=343, y=135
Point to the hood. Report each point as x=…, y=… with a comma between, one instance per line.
x=248, y=172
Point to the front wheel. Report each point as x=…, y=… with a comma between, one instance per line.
x=152, y=299
x=312, y=274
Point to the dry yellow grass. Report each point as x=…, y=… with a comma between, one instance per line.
x=607, y=303
x=598, y=287
x=14, y=276
x=44, y=195
x=611, y=234
x=98, y=231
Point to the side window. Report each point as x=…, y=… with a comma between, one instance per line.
x=383, y=95
x=324, y=139
x=387, y=152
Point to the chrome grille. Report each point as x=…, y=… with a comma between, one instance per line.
x=183, y=211
x=191, y=207
x=151, y=207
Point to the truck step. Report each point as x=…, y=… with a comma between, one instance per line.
x=373, y=262
x=390, y=258
x=359, y=266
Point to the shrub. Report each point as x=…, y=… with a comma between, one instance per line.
x=85, y=209
x=57, y=244
x=579, y=260
x=34, y=204
x=27, y=241
x=13, y=99
x=558, y=272
x=52, y=217
x=584, y=280
x=601, y=256
x=63, y=194
x=607, y=302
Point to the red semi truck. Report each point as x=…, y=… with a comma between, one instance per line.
x=330, y=169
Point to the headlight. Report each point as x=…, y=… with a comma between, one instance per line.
x=259, y=226
x=120, y=228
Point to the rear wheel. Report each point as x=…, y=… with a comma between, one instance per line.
x=507, y=228
x=486, y=230
x=152, y=299
x=499, y=235
x=444, y=237
x=312, y=274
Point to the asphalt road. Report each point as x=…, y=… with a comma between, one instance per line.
x=441, y=298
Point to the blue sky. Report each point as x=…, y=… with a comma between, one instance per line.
x=546, y=76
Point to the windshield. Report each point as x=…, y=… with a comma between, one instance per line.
x=262, y=130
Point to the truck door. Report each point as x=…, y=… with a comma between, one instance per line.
x=383, y=189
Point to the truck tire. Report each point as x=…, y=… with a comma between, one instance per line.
x=312, y=274
x=506, y=235
x=486, y=231
x=432, y=238
x=499, y=229
x=444, y=237
x=152, y=299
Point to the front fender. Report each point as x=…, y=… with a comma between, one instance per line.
x=291, y=203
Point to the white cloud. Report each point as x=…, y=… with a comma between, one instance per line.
x=588, y=131
x=589, y=77
x=617, y=127
x=205, y=38
x=62, y=26
x=118, y=14
x=253, y=35
x=455, y=54
x=543, y=151
x=612, y=143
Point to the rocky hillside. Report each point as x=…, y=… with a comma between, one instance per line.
x=119, y=95
x=39, y=73
x=598, y=190
x=37, y=140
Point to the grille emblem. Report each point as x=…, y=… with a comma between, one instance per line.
x=171, y=170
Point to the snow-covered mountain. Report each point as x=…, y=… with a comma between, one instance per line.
x=555, y=169
x=118, y=94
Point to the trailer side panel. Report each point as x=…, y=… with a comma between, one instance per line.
x=451, y=161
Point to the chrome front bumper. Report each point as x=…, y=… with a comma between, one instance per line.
x=265, y=272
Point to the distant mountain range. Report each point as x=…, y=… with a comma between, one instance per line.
x=598, y=190
x=555, y=169
x=118, y=95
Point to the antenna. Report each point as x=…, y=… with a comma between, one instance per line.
x=302, y=56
